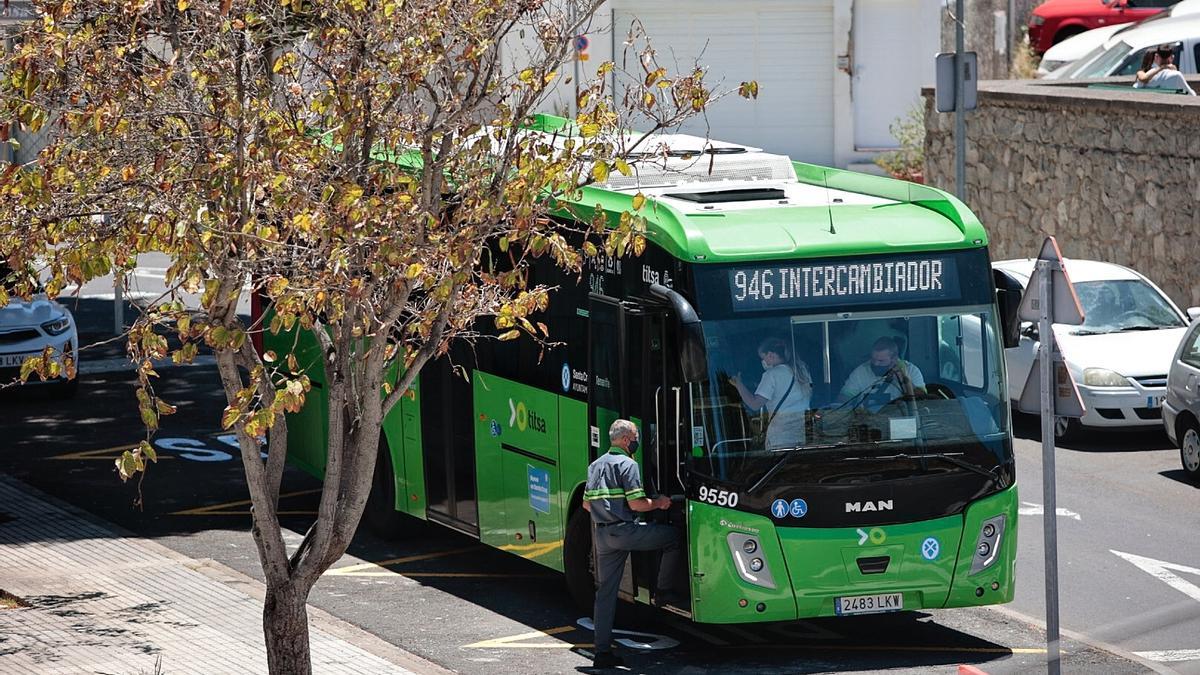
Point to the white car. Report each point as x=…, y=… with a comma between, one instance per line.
x=1092, y=43
x=1076, y=47
x=27, y=328
x=1181, y=409
x=1119, y=357
x=1122, y=55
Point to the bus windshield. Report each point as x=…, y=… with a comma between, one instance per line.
x=852, y=397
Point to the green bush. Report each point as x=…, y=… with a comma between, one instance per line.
x=908, y=161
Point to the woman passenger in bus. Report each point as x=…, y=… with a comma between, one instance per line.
x=784, y=391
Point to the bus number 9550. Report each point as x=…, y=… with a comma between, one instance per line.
x=718, y=497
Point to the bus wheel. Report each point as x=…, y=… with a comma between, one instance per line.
x=381, y=514
x=578, y=561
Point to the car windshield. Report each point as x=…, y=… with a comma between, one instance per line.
x=850, y=397
x=1105, y=63
x=1114, y=306
x=1069, y=71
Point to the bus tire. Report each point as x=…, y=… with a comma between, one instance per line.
x=578, y=561
x=381, y=514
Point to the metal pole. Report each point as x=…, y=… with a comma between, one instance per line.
x=1050, y=511
x=960, y=120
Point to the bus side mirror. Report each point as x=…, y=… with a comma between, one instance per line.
x=693, y=355
x=1009, y=302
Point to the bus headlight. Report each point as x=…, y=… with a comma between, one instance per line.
x=750, y=568
x=987, y=546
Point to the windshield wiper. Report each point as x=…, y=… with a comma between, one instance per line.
x=952, y=458
x=787, y=454
x=1086, y=331
x=1132, y=328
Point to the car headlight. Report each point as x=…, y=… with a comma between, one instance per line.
x=1102, y=377
x=57, y=326
x=1036, y=20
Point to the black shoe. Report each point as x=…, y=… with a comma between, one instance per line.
x=607, y=660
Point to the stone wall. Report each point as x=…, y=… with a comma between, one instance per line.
x=1114, y=175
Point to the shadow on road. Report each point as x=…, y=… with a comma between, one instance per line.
x=1134, y=439
x=1181, y=476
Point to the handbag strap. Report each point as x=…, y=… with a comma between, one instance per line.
x=780, y=404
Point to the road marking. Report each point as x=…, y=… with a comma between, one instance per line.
x=223, y=509
x=1031, y=509
x=659, y=643
x=378, y=569
x=518, y=641
x=1162, y=570
x=1171, y=655
x=109, y=454
x=532, y=551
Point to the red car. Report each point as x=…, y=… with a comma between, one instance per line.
x=1057, y=20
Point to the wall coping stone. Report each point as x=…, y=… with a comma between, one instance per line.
x=1074, y=93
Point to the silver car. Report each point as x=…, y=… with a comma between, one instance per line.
x=1181, y=408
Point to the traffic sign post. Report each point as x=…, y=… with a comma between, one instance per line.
x=1050, y=298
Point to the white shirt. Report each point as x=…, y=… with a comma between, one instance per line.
x=1167, y=78
x=774, y=384
x=862, y=377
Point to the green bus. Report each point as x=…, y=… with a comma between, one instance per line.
x=876, y=504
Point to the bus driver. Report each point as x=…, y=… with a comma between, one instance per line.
x=883, y=378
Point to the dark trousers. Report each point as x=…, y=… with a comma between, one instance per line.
x=613, y=544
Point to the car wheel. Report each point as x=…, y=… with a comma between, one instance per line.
x=1065, y=33
x=1066, y=428
x=1189, y=449
x=579, y=561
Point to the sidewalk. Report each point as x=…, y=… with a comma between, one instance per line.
x=104, y=602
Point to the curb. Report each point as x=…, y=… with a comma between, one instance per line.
x=118, y=365
x=1089, y=641
x=318, y=618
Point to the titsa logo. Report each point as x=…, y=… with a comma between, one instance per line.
x=525, y=418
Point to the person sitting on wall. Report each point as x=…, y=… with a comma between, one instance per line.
x=1158, y=71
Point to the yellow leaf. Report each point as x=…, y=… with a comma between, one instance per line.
x=600, y=172
x=639, y=200
x=623, y=167
x=510, y=335
x=648, y=100
x=182, y=5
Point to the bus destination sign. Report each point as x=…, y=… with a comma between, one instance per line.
x=843, y=284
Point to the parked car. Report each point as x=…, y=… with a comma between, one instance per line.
x=1056, y=20
x=27, y=328
x=1122, y=55
x=1120, y=355
x=1181, y=409
x=1076, y=47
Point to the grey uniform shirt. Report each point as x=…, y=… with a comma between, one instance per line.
x=612, y=479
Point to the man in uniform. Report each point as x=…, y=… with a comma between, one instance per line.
x=613, y=495
x=883, y=378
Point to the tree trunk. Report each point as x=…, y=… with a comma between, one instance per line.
x=285, y=626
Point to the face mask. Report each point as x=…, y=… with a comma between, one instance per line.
x=880, y=371
x=765, y=365
x=633, y=446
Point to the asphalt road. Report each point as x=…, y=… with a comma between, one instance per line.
x=479, y=610
x=1129, y=554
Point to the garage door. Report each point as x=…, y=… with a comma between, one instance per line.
x=786, y=46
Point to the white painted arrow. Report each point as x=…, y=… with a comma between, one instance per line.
x=1162, y=571
x=1031, y=509
x=862, y=536
x=512, y=417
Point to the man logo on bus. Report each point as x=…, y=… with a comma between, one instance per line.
x=862, y=507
